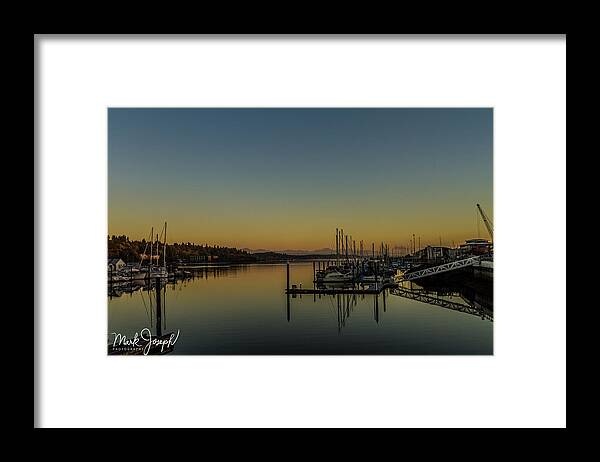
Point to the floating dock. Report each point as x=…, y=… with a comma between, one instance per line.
x=341, y=290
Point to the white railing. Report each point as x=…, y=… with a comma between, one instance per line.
x=441, y=268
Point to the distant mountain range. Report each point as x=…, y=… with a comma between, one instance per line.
x=323, y=251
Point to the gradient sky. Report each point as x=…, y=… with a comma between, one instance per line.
x=286, y=178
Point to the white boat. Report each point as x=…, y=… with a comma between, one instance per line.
x=134, y=274
x=159, y=272
x=336, y=276
x=370, y=278
x=381, y=278
x=117, y=278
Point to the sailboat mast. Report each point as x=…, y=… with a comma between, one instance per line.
x=346, y=248
x=165, y=248
x=151, y=244
x=337, y=246
x=143, y=255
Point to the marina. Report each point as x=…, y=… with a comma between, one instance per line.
x=260, y=318
x=353, y=272
x=269, y=299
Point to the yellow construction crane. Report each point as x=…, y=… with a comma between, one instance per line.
x=486, y=221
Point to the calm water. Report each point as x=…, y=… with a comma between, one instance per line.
x=244, y=310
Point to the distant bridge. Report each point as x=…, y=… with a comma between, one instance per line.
x=441, y=268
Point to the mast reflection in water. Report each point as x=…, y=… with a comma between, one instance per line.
x=244, y=310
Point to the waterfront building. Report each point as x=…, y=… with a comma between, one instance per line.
x=476, y=247
x=115, y=264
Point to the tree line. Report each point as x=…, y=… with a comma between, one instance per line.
x=131, y=251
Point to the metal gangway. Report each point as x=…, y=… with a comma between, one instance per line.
x=454, y=265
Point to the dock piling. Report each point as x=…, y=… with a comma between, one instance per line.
x=158, y=309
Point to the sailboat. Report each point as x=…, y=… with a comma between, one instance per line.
x=151, y=271
x=341, y=272
x=337, y=276
x=160, y=271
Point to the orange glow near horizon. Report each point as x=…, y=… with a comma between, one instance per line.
x=306, y=233
x=287, y=178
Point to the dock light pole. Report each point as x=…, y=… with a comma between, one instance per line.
x=288, y=275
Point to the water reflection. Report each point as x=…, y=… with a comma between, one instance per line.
x=345, y=306
x=245, y=310
x=153, y=295
x=470, y=301
x=216, y=271
x=477, y=301
x=344, y=303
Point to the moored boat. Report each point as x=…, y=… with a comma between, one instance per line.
x=336, y=276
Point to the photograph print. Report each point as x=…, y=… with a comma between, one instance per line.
x=300, y=231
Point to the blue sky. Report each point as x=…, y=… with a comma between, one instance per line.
x=285, y=178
